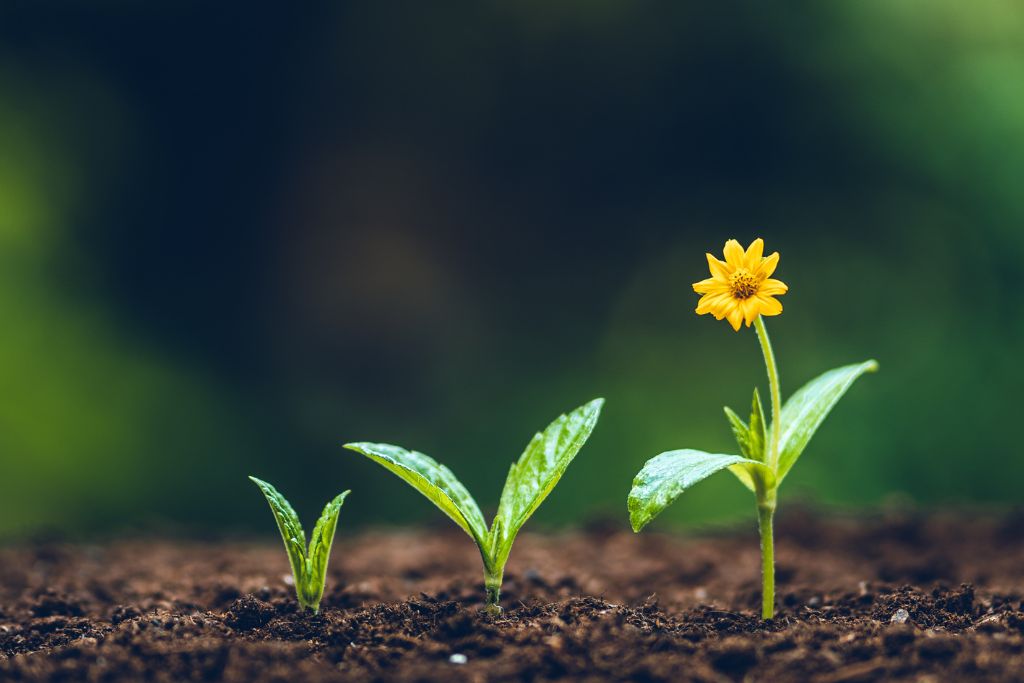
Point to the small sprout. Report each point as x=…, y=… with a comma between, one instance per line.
x=529, y=482
x=741, y=290
x=309, y=564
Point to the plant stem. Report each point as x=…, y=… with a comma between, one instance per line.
x=765, y=513
x=773, y=385
x=492, y=583
x=766, y=498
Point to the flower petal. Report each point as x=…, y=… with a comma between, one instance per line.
x=772, y=287
x=751, y=308
x=736, y=318
x=710, y=285
x=768, y=265
x=753, y=255
x=733, y=254
x=768, y=305
x=718, y=269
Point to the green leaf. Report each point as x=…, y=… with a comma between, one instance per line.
x=751, y=440
x=805, y=410
x=319, y=554
x=433, y=480
x=742, y=433
x=309, y=566
x=667, y=475
x=758, y=430
x=288, y=524
x=535, y=474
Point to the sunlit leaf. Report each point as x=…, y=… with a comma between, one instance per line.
x=288, y=524
x=309, y=565
x=667, y=475
x=538, y=469
x=319, y=552
x=435, y=481
x=804, y=411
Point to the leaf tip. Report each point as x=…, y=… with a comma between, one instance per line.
x=871, y=365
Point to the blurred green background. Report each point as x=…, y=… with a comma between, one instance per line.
x=231, y=239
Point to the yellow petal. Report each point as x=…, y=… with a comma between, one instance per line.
x=733, y=254
x=768, y=305
x=709, y=302
x=717, y=268
x=751, y=307
x=753, y=255
x=710, y=285
x=773, y=287
x=768, y=265
x=735, y=318
x=725, y=309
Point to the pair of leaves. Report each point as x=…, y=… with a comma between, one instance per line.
x=664, y=477
x=309, y=564
x=529, y=481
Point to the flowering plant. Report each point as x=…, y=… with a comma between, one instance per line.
x=741, y=290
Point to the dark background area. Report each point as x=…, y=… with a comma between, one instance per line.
x=233, y=238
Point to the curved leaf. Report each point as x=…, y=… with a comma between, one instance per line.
x=433, y=480
x=535, y=474
x=752, y=440
x=320, y=553
x=805, y=410
x=667, y=475
x=288, y=524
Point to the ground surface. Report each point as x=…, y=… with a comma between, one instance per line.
x=599, y=605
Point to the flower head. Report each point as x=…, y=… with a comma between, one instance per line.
x=741, y=287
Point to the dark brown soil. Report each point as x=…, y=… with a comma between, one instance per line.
x=599, y=605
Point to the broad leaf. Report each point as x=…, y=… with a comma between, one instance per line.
x=433, y=480
x=535, y=474
x=804, y=411
x=288, y=524
x=667, y=475
x=320, y=552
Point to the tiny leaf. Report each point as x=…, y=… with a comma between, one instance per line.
x=435, y=481
x=288, y=524
x=535, y=474
x=667, y=475
x=805, y=410
x=742, y=433
x=320, y=553
x=758, y=429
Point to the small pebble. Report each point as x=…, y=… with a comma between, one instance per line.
x=700, y=594
x=288, y=579
x=458, y=658
x=900, y=616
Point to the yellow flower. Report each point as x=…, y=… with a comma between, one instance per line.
x=741, y=288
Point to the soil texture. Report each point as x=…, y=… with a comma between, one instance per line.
x=893, y=597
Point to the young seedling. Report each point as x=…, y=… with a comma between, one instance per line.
x=740, y=290
x=529, y=482
x=309, y=564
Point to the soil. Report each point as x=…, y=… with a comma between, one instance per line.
x=898, y=597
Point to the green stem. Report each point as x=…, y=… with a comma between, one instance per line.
x=766, y=498
x=773, y=385
x=492, y=584
x=765, y=513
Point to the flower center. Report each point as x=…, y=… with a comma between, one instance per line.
x=743, y=285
